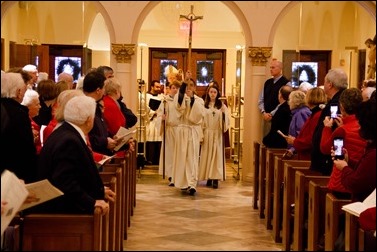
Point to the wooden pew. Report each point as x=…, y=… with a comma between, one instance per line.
x=351, y=232
x=132, y=167
x=58, y=232
x=316, y=214
x=262, y=177
x=256, y=174
x=271, y=154
x=333, y=211
x=301, y=206
x=278, y=193
x=288, y=200
x=113, y=181
x=113, y=166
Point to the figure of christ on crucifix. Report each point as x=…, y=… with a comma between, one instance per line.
x=191, y=17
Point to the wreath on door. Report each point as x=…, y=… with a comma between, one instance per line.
x=296, y=73
x=73, y=64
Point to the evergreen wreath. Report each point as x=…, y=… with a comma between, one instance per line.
x=297, y=72
x=74, y=64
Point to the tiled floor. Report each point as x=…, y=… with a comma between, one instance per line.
x=167, y=219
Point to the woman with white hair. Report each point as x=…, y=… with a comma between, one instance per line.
x=31, y=101
x=67, y=162
x=300, y=113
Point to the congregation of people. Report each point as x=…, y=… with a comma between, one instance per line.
x=308, y=133
x=64, y=129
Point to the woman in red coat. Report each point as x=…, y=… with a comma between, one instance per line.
x=112, y=113
x=348, y=129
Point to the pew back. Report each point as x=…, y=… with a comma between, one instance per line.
x=58, y=232
x=316, y=214
x=278, y=193
x=333, y=213
x=301, y=206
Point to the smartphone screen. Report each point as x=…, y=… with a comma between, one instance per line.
x=338, y=148
x=334, y=110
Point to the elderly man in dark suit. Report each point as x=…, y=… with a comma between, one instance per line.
x=67, y=162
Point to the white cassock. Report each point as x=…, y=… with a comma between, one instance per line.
x=212, y=156
x=187, y=142
x=169, y=140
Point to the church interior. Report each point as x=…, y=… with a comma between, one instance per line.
x=234, y=41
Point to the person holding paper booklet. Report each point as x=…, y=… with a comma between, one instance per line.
x=315, y=99
x=300, y=113
x=112, y=114
x=67, y=162
x=100, y=139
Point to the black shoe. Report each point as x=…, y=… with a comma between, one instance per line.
x=215, y=184
x=169, y=179
x=192, y=191
x=209, y=182
x=171, y=184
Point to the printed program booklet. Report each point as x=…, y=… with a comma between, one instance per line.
x=356, y=208
x=14, y=192
x=125, y=135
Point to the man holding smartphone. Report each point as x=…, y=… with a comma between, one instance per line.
x=336, y=81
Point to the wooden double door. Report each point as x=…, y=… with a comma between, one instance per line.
x=322, y=58
x=206, y=65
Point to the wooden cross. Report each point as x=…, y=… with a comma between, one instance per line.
x=191, y=17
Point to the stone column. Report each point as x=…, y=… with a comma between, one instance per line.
x=256, y=74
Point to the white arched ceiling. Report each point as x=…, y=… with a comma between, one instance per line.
x=99, y=38
x=160, y=27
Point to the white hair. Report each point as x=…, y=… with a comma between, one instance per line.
x=29, y=97
x=79, y=109
x=10, y=83
x=80, y=83
x=305, y=86
x=42, y=76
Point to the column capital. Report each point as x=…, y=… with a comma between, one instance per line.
x=123, y=52
x=259, y=55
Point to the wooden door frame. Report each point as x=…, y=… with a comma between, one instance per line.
x=184, y=51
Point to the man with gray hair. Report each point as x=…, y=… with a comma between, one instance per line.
x=16, y=132
x=67, y=162
x=336, y=81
